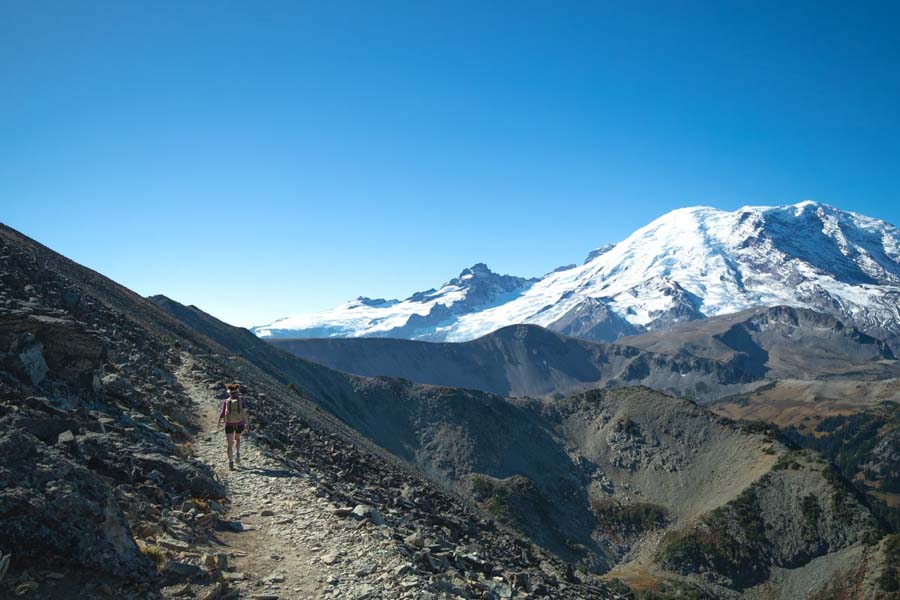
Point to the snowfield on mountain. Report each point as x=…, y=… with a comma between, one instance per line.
x=689, y=264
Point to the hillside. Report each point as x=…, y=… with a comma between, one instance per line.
x=524, y=360
x=455, y=491
x=108, y=489
x=778, y=342
x=609, y=479
x=704, y=360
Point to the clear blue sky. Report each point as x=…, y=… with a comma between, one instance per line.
x=260, y=159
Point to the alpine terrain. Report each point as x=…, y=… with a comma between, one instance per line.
x=527, y=463
x=688, y=264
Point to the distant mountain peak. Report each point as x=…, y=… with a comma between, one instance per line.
x=598, y=252
x=475, y=270
x=688, y=264
x=805, y=203
x=364, y=300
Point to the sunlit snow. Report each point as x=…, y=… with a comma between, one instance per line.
x=796, y=255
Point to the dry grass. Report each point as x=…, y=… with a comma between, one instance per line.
x=638, y=579
x=184, y=450
x=153, y=552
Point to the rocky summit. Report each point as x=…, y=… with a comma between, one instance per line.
x=366, y=486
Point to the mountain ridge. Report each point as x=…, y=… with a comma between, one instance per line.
x=688, y=264
x=480, y=495
x=710, y=359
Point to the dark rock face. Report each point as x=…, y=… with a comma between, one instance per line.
x=91, y=420
x=47, y=345
x=55, y=510
x=117, y=461
x=593, y=320
x=802, y=509
x=524, y=360
x=685, y=305
x=777, y=342
x=482, y=288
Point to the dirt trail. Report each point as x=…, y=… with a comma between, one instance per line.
x=288, y=544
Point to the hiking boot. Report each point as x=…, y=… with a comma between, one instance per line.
x=230, y=466
x=238, y=458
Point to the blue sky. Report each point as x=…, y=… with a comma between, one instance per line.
x=265, y=159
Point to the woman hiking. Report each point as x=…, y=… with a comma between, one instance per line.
x=234, y=413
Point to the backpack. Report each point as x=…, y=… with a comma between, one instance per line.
x=233, y=407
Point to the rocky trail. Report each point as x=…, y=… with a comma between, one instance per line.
x=114, y=482
x=280, y=538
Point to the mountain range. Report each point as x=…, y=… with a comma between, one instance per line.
x=525, y=463
x=689, y=264
x=705, y=360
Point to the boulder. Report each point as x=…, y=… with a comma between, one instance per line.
x=364, y=511
x=46, y=429
x=51, y=507
x=33, y=362
x=176, y=570
x=65, y=346
x=116, y=385
x=415, y=539
x=100, y=452
x=195, y=478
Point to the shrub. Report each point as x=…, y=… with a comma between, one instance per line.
x=156, y=554
x=630, y=519
x=889, y=581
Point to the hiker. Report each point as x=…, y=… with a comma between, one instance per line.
x=234, y=413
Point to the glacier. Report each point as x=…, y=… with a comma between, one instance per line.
x=690, y=263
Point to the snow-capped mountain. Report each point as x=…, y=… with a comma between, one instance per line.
x=688, y=264
x=418, y=317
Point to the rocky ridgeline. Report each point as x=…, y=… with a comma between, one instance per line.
x=800, y=510
x=104, y=489
x=439, y=545
x=94, y=432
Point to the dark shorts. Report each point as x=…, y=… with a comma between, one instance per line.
x=234, y=428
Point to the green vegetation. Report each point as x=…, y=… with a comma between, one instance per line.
x=512, y=500
x=615, y=518
x=661, y=590
x=761, y=428
x=629, y=427
x=812, y=512
x=730, y=541
x=713, y=548
x=852, y=438
x=496, y=495
x=889, y=581
x=840, y=495
x=788, y=460
x=849, y=441
x=156, y=554
x=672, y=590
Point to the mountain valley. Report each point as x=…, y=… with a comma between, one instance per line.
x=525, y=463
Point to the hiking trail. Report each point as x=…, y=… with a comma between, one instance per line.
x=284, y=541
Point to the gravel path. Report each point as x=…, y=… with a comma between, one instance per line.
x=287, y=542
